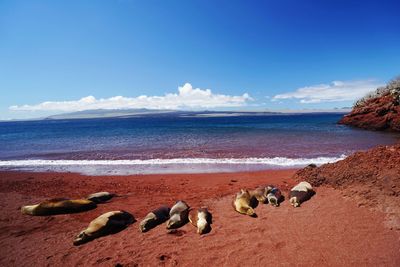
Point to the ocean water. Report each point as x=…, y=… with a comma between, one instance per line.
x=176, y=144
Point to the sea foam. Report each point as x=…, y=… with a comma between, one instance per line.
x=175, y=165
x=275, y=161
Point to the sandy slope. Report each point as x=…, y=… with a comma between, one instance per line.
x=329, y=230
x=371, y=177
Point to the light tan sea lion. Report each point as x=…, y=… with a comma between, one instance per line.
x=300, y=193
x=178, y=215
x=154, y=218
x=107, y=223
x=201, y=219
x=242, y=203
x=58, y=206
x=100, y=197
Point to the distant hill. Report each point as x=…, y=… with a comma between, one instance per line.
x=127, y=113
x=107, y=113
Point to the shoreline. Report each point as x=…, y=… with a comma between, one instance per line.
x=328, y=218
x=164, y=166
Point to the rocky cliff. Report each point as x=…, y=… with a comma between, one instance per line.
x=378, y=111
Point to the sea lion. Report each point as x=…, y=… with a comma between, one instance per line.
x=100, y=197
x=242, y=203
x=300, y=193
x=107, y=223
x=58, y=206
x=274, y=195
x=178, y=215
x=154, y=218
x=201, y=219
x=259, y=193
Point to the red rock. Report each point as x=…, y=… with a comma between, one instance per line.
x=378, y=113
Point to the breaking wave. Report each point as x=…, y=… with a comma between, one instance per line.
x=275, y=161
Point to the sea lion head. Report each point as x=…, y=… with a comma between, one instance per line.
x=250, y=212
x=81, y=238
x=259, y=194
x=203, y=228
x=100, y=197
x=294, y=202
x=244, y=193
x=30, y=210
x=147, y=222
x=174, y=221
x=268, y=189
x=204, y=221
x=273, y=200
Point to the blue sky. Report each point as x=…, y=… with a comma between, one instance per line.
x=252, y=55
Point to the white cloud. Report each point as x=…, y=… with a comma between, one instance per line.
x=187, y=97
x=334, y=92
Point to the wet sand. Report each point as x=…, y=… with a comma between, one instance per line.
x=328, y=230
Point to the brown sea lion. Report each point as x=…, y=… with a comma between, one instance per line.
x=178, y=215
x=58, y=206
x=154, y=218
x=107, y=223
x=100, y=197
x=242, y=203
x=259, y=193
x=201, y=219
x=300, y=193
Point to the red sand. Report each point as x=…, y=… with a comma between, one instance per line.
x=328, y=230
x=371, y=177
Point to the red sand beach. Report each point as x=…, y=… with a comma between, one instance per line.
x=328, y=230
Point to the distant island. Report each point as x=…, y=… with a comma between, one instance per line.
x=128, y=113
x=144, y=112
x=107, y=113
